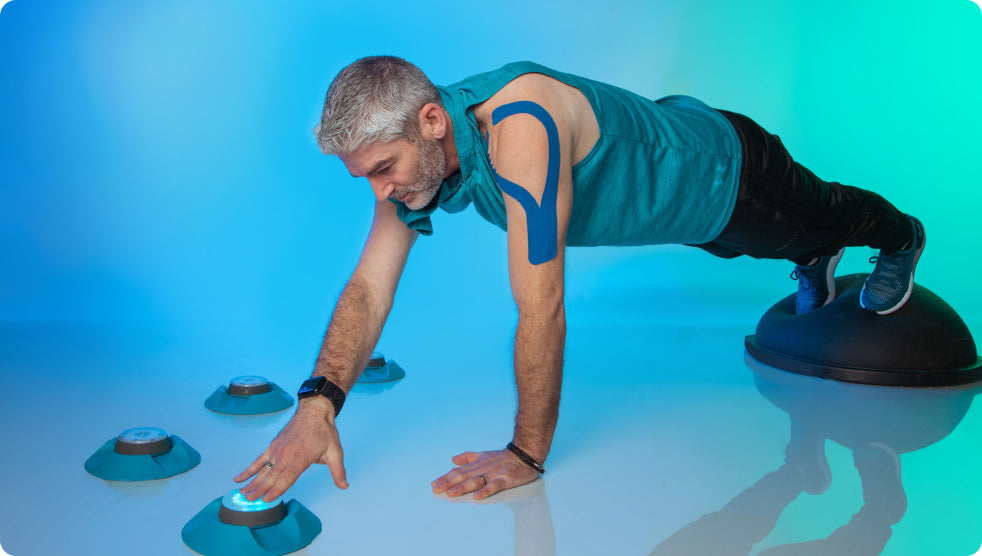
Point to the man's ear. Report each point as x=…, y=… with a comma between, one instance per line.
x=432, y=121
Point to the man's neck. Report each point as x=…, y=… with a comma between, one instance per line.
x=450, y=149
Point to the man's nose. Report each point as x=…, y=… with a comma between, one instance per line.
x=382, y=188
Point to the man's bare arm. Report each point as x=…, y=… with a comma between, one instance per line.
x=520, y=147
x=366, y=300
x=356, y=324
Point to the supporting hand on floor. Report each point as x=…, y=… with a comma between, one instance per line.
x=484, y=473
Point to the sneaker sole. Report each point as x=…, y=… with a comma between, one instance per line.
x=910, y=286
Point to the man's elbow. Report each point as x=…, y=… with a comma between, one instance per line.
x=549, y=310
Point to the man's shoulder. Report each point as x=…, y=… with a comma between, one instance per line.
x=512, y=78
x=506, y=72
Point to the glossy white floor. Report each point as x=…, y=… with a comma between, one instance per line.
x=669, y=443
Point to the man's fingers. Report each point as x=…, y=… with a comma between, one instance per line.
x=466, y=458
x=449, y=480
x=281, y=484
x=494, y=486
x=335, y=462
x=261, y=484
x=470, y=484
x=306, y=439
x=252, y=469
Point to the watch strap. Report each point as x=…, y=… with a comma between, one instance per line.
x=321, y=386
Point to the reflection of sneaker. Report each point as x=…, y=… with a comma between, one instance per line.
x=892, y=281
x=883, y=491
x=806, y=453
x=816, y=283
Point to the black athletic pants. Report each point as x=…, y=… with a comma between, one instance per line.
x=784, y=211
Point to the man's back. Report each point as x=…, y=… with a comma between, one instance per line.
x=654, y=171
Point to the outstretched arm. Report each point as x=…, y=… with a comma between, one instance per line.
x=530, y=154
x=311, y=435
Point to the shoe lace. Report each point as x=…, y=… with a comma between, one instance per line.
x=887, y=266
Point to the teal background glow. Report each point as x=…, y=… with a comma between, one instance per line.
x=158, y=173
x=157, y=162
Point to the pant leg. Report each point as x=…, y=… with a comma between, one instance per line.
x=784, y=211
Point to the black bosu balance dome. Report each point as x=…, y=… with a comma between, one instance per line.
x=924, y=343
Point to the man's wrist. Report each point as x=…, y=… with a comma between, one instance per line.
x=318, y=386
x=526, y=458
x=535, y=444
x=319, y=405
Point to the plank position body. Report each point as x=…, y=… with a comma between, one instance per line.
x=558, y=160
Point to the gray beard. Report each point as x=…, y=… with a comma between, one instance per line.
x=429, y=174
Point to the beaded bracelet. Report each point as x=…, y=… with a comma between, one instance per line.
x=526, y=459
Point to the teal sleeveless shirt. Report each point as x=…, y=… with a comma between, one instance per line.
x=662, y=171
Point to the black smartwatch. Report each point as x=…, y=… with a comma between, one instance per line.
x=320, y=385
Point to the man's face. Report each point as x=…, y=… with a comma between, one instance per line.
x=401, y=170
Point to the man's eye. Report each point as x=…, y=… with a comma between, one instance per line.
x=385, y=170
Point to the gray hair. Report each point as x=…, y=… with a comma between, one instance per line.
x=374, y=99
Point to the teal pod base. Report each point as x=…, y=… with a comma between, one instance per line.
x=389, y=372
x=111, y=466
x=275, y=400
x=207, y=535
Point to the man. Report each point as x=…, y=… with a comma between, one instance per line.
x=558, y=160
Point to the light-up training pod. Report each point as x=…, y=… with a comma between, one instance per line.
x=237, y=510
x=142, y=454
x=249, y=395
x=380, y=370
x=234, y=526
x=924, y=343
x=147, y=441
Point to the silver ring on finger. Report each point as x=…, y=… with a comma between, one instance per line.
x=483, y=480
x=268, y=464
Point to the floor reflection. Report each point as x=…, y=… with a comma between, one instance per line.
x=877, y=424
x=535, y=534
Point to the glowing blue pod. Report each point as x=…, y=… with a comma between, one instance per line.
x=234, y=526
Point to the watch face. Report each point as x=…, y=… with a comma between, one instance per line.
x=311, y=386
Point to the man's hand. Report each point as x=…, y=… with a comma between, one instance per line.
x=484, y=473
x=309, y=438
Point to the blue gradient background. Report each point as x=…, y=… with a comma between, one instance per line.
x=158, y=169
x=157, y=162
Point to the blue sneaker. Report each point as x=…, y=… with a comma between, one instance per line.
x=892, y=281
x=816, y=283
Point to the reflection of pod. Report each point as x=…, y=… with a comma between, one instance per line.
x=905, y=419
x=249, y=395
x=142, y=454
x=234, y=526
x=380, y=370
x=925, y=343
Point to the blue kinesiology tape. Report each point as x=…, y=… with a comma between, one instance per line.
x=541, y=217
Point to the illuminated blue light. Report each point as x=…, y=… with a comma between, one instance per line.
x=236, y=501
